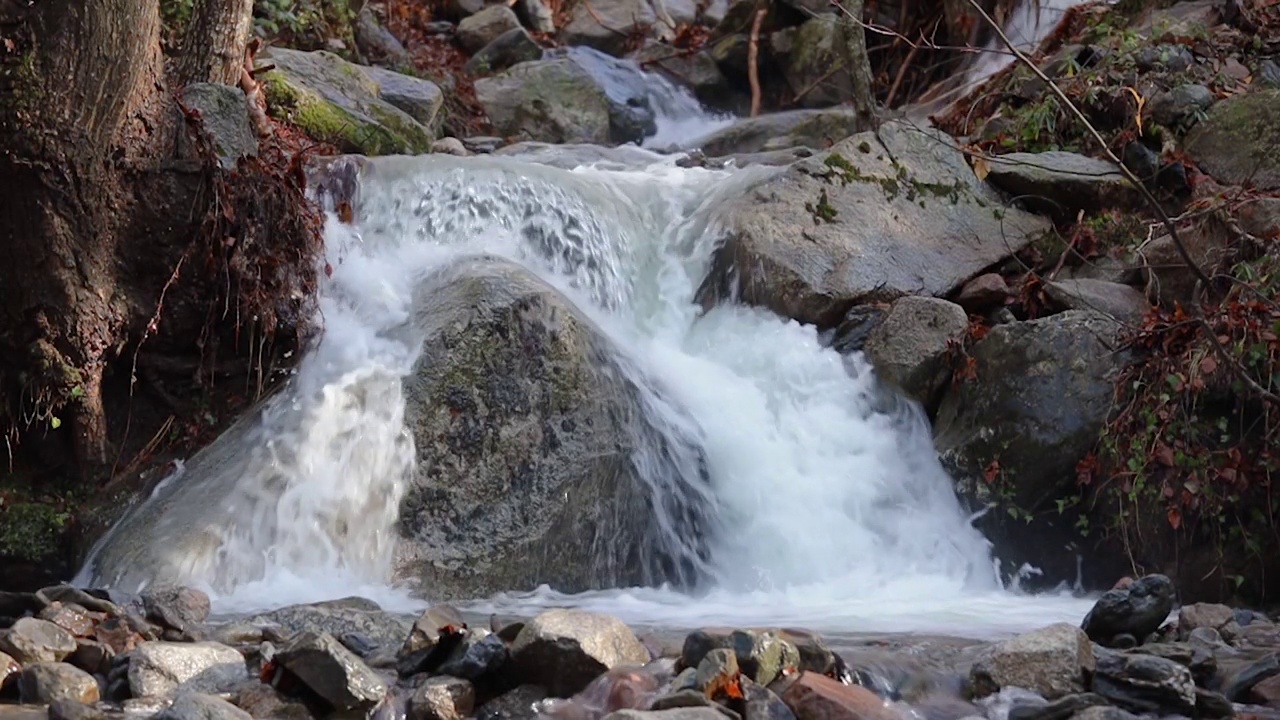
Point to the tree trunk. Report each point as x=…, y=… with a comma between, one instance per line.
x=214, y=43
x=87, y=123
x=862, y=94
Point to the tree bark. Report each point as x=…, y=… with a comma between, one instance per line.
x=862, y=92
x=214, y=43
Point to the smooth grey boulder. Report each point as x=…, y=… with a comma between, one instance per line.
x=332, y=671
x=510, y=48
x=224, y=115
x=1123, y=302
x=32, y=640
x=484, y=27
x=564, y=650
x=912, y=347
x=160, y=668
x=1136, y=610
x=1060, y=183
x=882, y=214
x=531, y=433
x=1052, y=662
x=339, y=618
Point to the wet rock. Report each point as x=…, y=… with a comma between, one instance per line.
x=761, y=655
x=715, y=668
x=815, y=697
x=421, y=100
x=70, y=617
x=1052, y=662
x=263, y=701
x=1099, y=712
x=180, y=608
x=1238, y=676
x=1138, y=610
x=1145, y=684
x=32, y=640
x=344, y=104
x=510, y=48
x=678, y=713
x=377, y=44
x=332, y=671
x=145, y=706
x=1199, y=661
x=197, y=706
x=480, y=654
x=608, y=24
x=521, y=384
x=1236, y=142
x=66, y=709
x=1203, y=615
x=694, y=699
x=911, y=348
x=484, y=27
x=160, y=668
x=1171, y=107
x=45, y=682
x=550, y=100
x=1061, y=184
x=517, y=704
x=621, y=688
x=92, y=656
x=1123, y=302
x=430, y=626
x=815, y=656
x=449, y=146
x=224, y=114
x=537, y=15
x=697, y=71
x=875, y=218
x=564, y=650
x=443, y=698
x=1041, y=393
x=1061, y=709
x=1210, y=704
x=761, y=703
x=817, y=129
x=1267, y=692
x=1268, y=75
x=1171, y=58
x=983, y=293
x=9, y=671
x=1173, y=281
x=339, y=617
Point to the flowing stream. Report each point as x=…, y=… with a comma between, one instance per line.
x=834, y=511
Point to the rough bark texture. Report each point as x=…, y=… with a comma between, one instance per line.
x=82, y=109
x=214, y=43
x=863, y=96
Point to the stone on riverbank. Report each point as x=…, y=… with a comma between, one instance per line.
x=564, y=650
x=817, y=129
x=1134, y=611
x=815, y=697
x=1145, y=684
x=443, y=698
x=47, y=682
x=912, y=347
x=1062, y=184
x=761, y=655
x=1236, y=143
x=1052, y=662
x=332, y=671
x=199, y=706
x=160, y=668
x=32, y=640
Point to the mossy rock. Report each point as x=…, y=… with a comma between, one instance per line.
x=1239, y=142
x=337, y=102
x=32, y=531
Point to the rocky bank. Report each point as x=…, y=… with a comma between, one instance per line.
x=72, y=653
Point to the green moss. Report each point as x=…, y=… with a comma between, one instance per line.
x=31, y=531
x=330, y=123
x=414, y=137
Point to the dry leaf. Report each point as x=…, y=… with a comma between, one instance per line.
x=980, y=167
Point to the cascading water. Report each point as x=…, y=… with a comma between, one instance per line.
x=832, y=510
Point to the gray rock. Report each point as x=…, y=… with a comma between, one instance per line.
x=761, y=654
x=714, y=666
x=45, y=682
x=481, y=653
x=486, y=26
x=32, y=640
x=263, y=701
x=884, y=214
x=1236, y=143
x=1200, y=661
x=1268, y=75
x=198, y=706
x=817, y=129
x=912, y=347
x=761, y=703
x=1060, y=709
x=338, y=618
x=1123, y=302
x=550, y=100
x=1061, y=183
x=631, y=116
x=1145, y=684
x=74, y=710
x=70, y=617
x=449, y=146
x=853, y=332
x=1052, y=662
x=983, y=293
x=419, y=99
x=1137, y=610
x=1239, y=675
x=517, y=704
x=564, y=650
x=697, y=71
x=85, y=599
x=1203, y=615
x=180, y=608
x=427, y=629
x=817, y=48
x=677, y=713
x=482, y=144
x=224, y=114
x=332, y=671
x=348, y=105
x=527, y=429
x=1100, y=712
x=536, y=15
x=1172, y=58
x=1172, y=107
x=510, y=48
x=377, y=44
x=443, y=698
x=608, y=28
x=160, y=668
x=1042, y=391
x=92, y=656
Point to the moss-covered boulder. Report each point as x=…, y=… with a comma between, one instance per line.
x=1239, y=142
x=809, y=53
x=370, y=111
x=34, y=547
x=537, y=461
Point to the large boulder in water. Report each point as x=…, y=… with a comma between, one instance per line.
x=883, y=214
x=537, y=460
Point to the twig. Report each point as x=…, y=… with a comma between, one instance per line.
x=902, y=72
x=253, y=93
x=753, y=52
x=1202, y=279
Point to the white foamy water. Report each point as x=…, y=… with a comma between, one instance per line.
x=832, y=511
x=1030, y=22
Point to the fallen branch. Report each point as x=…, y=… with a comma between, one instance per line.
x=753, y=52
x=1202, y=279
x=253, y=92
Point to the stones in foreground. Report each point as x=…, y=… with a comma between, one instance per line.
x=312, y=661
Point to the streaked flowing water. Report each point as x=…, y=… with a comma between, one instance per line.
x=832, y=509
